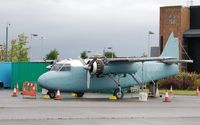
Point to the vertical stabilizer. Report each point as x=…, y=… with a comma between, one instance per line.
x=171, y=48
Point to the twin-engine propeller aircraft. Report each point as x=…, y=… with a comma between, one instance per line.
x=101, y=73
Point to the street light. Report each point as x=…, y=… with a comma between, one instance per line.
x=6, y=56
x=32, y=35
x=148, y=47
x=87, y=52
x=42, y=47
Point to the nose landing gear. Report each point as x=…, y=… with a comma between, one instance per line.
x=52, y=94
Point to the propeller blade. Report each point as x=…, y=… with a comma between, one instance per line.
x=82, y=61
x=91, y=62
x=88, y=79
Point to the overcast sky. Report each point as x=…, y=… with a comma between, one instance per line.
x=72, y=26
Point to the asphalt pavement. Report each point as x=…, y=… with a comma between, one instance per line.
x=97, y=109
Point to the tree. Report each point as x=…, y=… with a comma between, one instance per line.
x=19, y=51
x=52, y=55
x=84, y=55
x=2, y=52
x=110, y=55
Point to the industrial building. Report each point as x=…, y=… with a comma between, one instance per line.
x=184, y=23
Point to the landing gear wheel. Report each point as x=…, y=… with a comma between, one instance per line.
x=118, y=93
x=52, y=94
x=80, y=94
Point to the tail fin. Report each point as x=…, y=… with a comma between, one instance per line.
x=171, y=48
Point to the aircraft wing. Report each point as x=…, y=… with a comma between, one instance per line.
x=178, y=61
x=142, y=59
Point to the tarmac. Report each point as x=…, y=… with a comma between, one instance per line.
x=97, y=109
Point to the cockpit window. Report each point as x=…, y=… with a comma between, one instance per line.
x=66, y=67
x=61, y=67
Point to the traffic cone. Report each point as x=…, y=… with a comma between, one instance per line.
x=166, y=97
x=157, y=92
x=14, y=92
x=58, y=97
x=171, y=91
x=197, y=92
x=17, y=87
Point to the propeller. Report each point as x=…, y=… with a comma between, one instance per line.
x=88, y=67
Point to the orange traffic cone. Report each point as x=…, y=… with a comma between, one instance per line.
x=166, y=97
x=14, y=92
x=58, y=96
x=171, y=91
x=197, y=92
x=17, y=87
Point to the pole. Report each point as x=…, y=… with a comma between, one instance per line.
x=42, y=47
x=112, y=52
x=30, y=46
x=6, y=56
x=104, y=51
x=32, y=36
x=148, y=45
x=148, y=48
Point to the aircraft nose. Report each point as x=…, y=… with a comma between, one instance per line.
x=53, y=80
x=42, y=80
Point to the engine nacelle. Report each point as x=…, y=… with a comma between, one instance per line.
x=97, y=67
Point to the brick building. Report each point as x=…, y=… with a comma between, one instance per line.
x=184, y=23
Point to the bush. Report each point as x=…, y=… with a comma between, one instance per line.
x=183, y=81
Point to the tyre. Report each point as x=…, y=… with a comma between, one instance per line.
x=80, y=94
x=52, y=94
x=119, y=94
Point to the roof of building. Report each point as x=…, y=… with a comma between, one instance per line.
x=176, y=6
x=192, y=33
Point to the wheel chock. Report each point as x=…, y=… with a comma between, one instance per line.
x=74, y=94
x=112, y=98
x=46, y=97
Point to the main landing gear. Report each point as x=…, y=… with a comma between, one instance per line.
x=118, y=91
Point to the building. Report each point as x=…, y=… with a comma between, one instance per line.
x=155, y=51
x=184, y=23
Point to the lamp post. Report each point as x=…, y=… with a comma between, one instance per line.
x=87, y=52
x=32, y=35
x=42, y=47
x=6, y=55
x=148, y=47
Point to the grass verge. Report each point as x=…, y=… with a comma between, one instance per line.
x=180, y=92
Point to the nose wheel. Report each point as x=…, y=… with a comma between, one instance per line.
x=52, y=94
x=79, y=94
